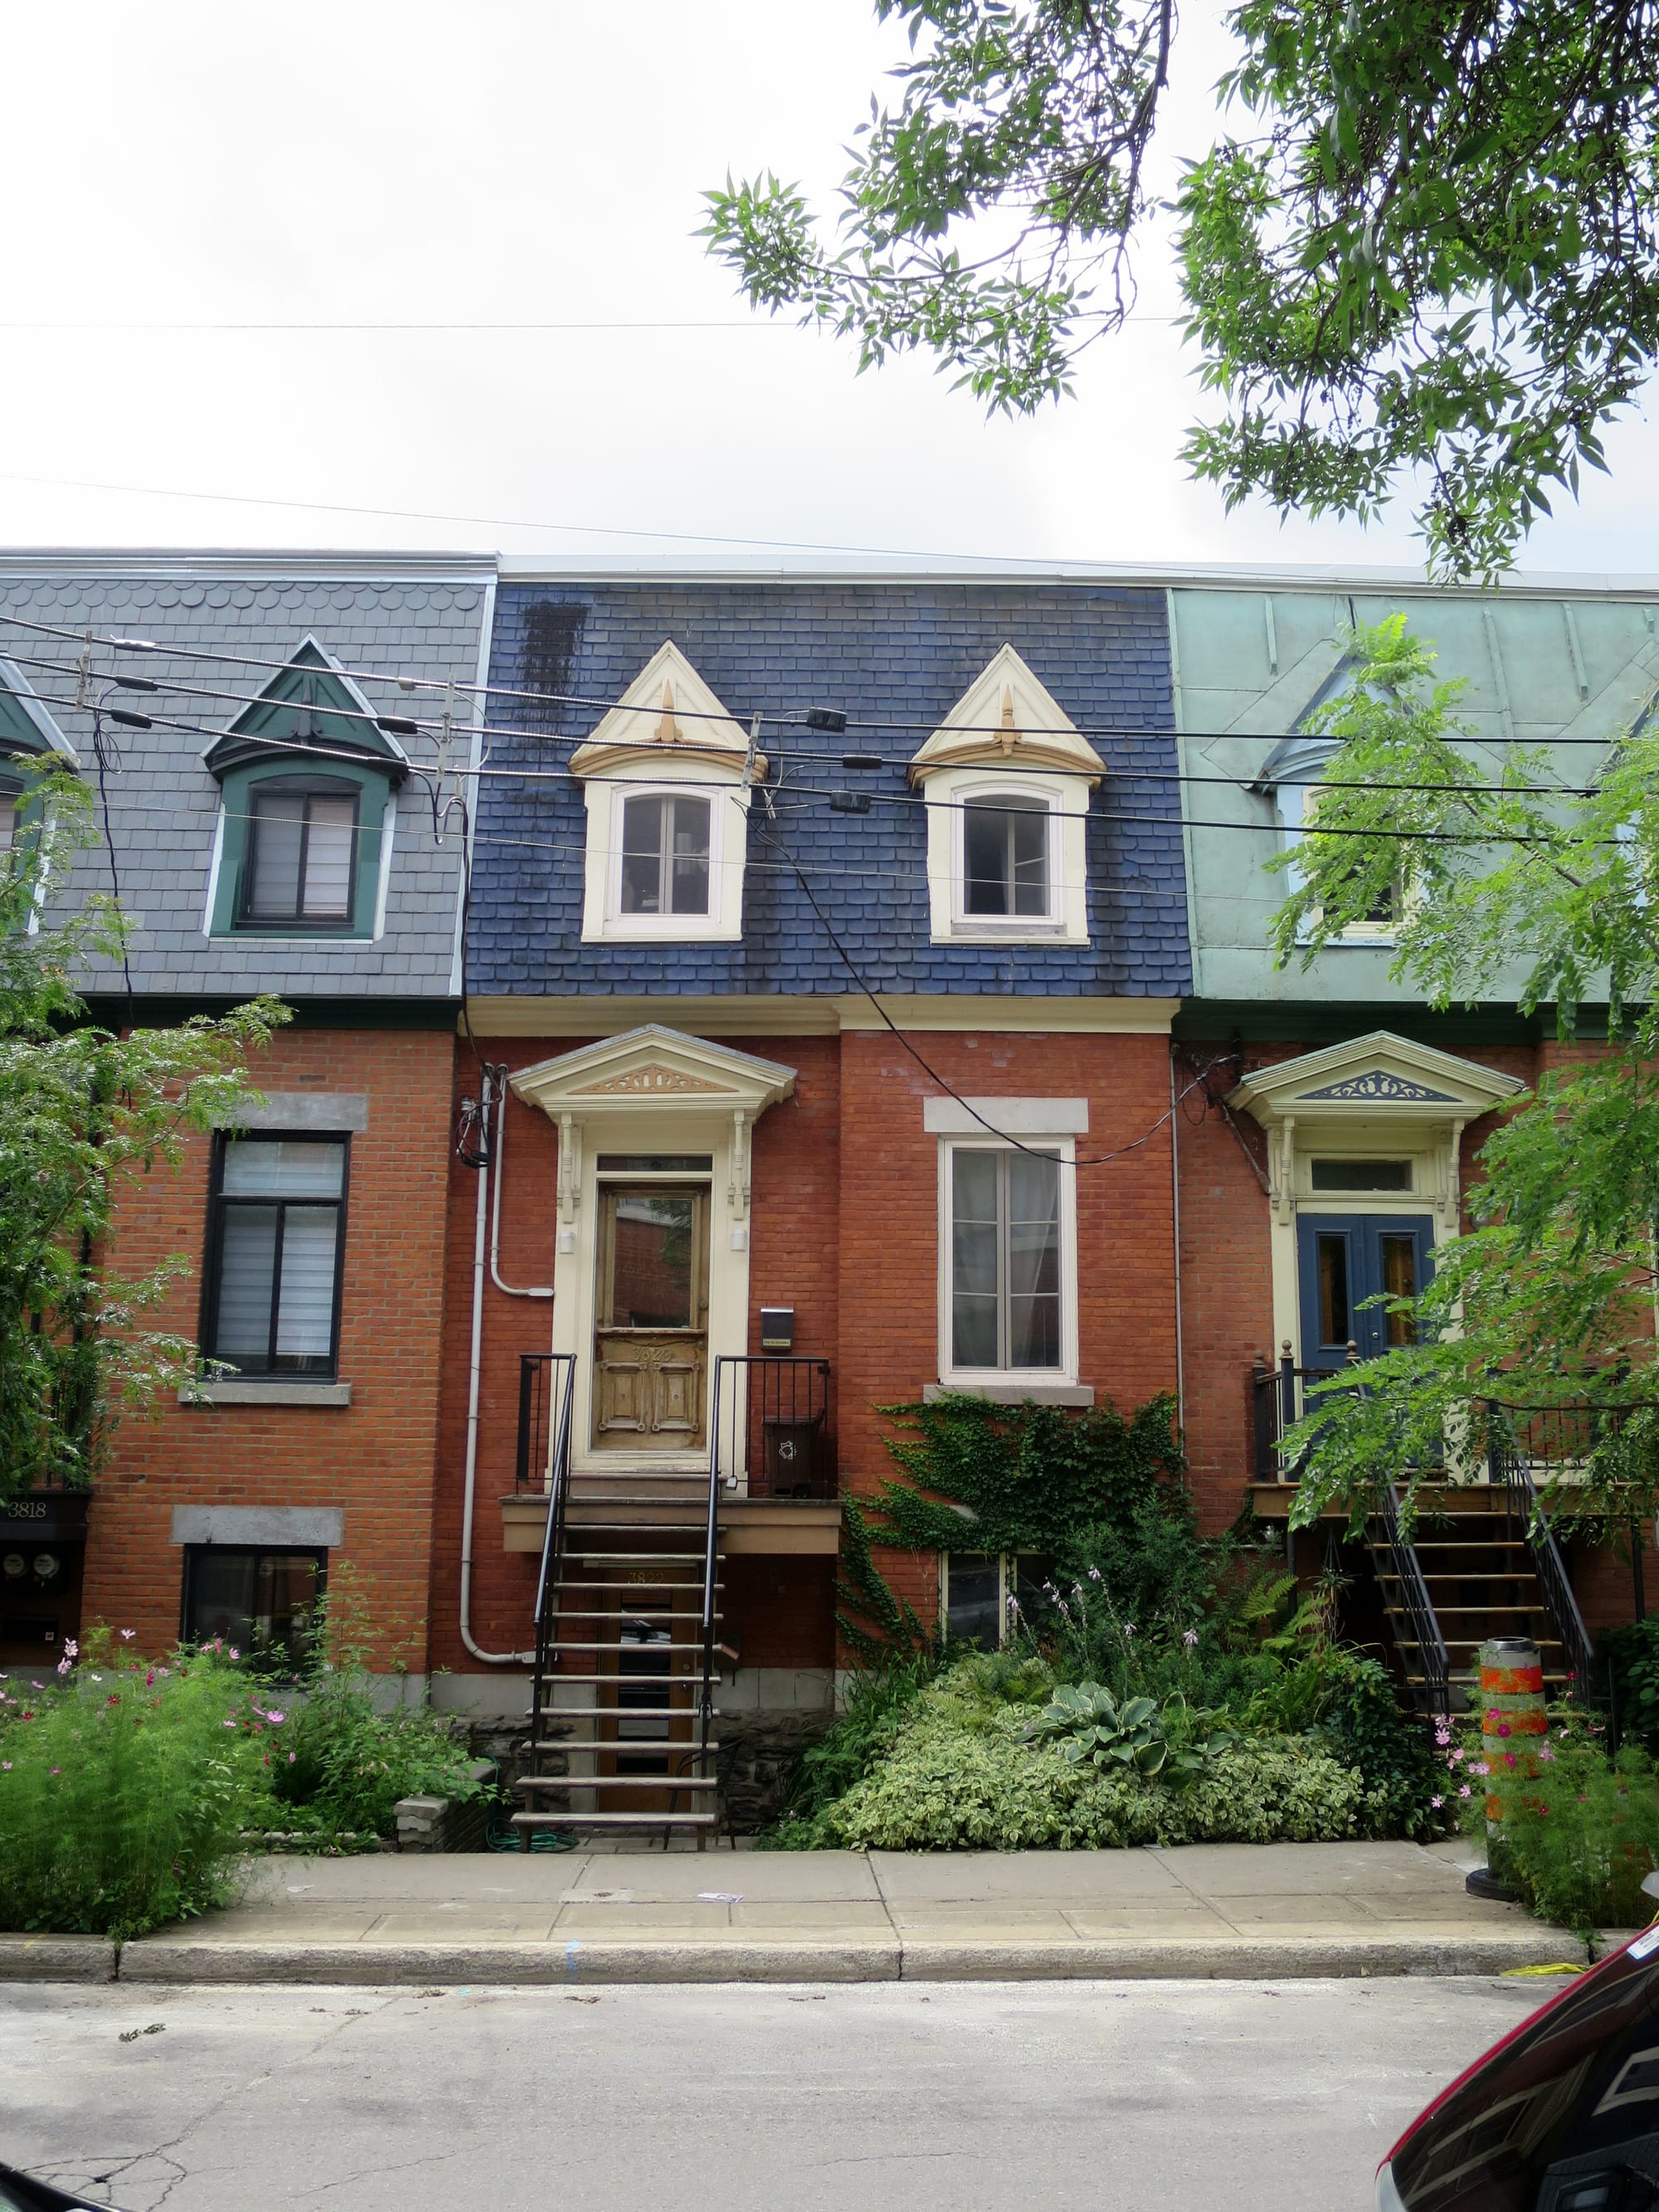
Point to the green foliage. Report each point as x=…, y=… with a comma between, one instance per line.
x=1580, y=1838
x=1630, y=1657
x=959, y=1777
x=1546, y=1300
x=1084, y=1722
x=347, y=1759
x=1407, y=1789
x=873, y=1707
x=83, y=1112
x=987, y=1478
x=123, y=1788
x=1428, y=262
x=873, y=1621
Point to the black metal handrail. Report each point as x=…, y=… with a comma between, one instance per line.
x=554, y=1391
x=1416, y=1603
x=1279, y=1397
x=769, y=1423
x=1509, y=1461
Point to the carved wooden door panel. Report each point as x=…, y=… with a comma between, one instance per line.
x=650, y=1353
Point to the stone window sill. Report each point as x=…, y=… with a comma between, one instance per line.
x=1013, y=1393
x=267, y=1394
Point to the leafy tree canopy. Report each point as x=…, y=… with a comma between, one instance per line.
x=1540, y=881
x=84, y=1112
x=1429, y=258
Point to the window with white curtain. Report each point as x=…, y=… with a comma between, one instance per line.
x=1007, y=1261
x=273, y=1277
x=301, y=856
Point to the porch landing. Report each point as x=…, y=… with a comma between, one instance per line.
x=1227, y=1912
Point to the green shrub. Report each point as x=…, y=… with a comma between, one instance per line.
x=124, y=1788
x=345, y=1763
x=1580, y=1837
x=959, y=1777
x=874, y=1705
x=1627, y=1670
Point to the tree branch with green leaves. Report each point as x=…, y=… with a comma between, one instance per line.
x=1515, y=883
x=1430, y=264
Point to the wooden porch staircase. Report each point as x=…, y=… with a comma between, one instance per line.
x=1473, y=1571
x=621, y=1737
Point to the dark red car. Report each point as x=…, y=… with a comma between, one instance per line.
x=1561, y=2115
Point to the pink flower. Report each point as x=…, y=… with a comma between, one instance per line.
x=1545, y=1753
x=229, y=1724
x=1508, y=1759
x=150, y=1679
x=1436, y=1802
x=292, y=1756
x=1442, y=1737
x=1190, y=1638
x=113, y=1698
x=1465, y=1791
x=235, y=1653
x=276, y=1718
x=1494, y=1714
x=1505, y=1730
x=71, y=1648
x=1459, y=1756
x=37, y=1685
x=1478, y=1766
x=127, y=1635
x=56, y=1770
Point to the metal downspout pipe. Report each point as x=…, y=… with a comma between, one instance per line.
x=480, y=1239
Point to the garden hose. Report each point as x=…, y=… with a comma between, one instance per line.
x=499, y=1836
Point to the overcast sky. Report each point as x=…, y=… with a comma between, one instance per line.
x=366, y=162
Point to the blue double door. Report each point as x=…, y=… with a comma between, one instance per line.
x=1343, y=1260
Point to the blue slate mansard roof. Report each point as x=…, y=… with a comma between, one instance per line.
x=421, y=616
x=897, y=653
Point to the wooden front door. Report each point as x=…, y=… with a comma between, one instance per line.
x=651, y=1339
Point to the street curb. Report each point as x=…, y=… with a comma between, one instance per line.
x=57, y=1959
x=573, y=1964
x=380, y=1966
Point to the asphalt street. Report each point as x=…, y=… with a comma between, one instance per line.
x=1131, y=2097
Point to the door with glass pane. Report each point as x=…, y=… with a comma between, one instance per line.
x=651, y=1339
x=1347, y=1258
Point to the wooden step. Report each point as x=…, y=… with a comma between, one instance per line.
x=669, y=1782
x=613, y=1820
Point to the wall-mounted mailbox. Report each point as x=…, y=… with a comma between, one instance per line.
x=777, y=1329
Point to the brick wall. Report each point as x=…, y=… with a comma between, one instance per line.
x=375, y=1458
x=844, y=1228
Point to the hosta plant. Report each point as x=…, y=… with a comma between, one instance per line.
x=1084, y=1722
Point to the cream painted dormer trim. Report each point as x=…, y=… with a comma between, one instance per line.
x=667, y=733
x=666, y=711
x=1008, y=739
x=1008, y=719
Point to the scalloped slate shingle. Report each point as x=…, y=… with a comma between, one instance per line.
x=896, y=654
x=164, y=805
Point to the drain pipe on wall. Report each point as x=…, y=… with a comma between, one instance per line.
x=481, y=1222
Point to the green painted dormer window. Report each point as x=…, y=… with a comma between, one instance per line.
x=309, y=780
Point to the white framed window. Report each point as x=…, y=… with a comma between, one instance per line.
x=1007, y=1262
x=1296, y=807
x=666, y=856
x=662, y=865
x=1006, y=857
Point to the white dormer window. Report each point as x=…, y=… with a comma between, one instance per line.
x=667, y=810
x=1007, y=778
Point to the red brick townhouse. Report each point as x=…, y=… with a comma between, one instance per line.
x=1353, y=1113
x=272, y=830
x=824, y=941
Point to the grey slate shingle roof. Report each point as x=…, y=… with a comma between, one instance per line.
x=419, y=619
x=901, y=652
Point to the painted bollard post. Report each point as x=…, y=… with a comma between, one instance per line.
x=1513, y=1725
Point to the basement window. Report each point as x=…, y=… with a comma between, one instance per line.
x=256, y=1603
x=978, y=1587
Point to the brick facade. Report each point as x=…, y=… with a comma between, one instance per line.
x=844, y=1228
x=373, y=1459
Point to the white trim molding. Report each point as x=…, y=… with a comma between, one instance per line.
x=667, y=732
x=1008, y=737
x=1377, y=1096
x=1015, y=1117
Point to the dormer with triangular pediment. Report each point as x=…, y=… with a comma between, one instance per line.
x=309, y=774
x=1007, y=775
x=667, y=773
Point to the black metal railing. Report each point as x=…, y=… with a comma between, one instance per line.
x=546, y=1425
x=1279, y=1399
x=769, y=1422
x=546, y=1379
x=1560, y=1438
x=1415, y=1606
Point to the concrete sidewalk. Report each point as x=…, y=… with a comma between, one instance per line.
x=1233, y=1910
